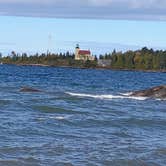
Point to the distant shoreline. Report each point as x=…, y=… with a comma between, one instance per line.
x=77, y=67
x=147, y=60
x=42, y=65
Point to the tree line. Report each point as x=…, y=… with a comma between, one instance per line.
x=143, y=59
x=50, y=59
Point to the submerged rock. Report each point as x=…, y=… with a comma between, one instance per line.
x=29, y=89
x=154, y=92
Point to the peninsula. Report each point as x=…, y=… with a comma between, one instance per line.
x=144, y=59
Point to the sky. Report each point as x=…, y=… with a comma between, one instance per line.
x=99, y=25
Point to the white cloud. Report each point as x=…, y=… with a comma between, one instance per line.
x=151, y=4
x=102, y=9
x=108, y=3
x=100, y=3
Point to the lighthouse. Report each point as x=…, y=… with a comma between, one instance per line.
x=83, y=54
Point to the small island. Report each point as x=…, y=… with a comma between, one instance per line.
x=144, y=59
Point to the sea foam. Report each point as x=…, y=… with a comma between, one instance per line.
x=107, y=97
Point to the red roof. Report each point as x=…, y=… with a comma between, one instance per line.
x=84, y=52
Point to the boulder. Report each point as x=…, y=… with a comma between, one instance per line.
x=154, y=92
x=29, y=89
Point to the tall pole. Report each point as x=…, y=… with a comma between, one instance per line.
x=49, y=43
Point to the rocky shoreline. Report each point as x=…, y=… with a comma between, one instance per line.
x=77, y=67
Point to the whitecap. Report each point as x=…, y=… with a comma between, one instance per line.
x=60, y=117
x=40, y=119
x=161, y=99
x=136, y=98
x=57, y=117
x=126, y=96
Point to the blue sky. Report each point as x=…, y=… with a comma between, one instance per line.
x=58, y=25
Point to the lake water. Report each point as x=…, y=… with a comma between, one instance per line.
x=80, y=118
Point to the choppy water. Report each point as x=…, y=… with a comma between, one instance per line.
x=80, y=118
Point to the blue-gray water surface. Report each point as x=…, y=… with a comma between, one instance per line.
x=80, y=118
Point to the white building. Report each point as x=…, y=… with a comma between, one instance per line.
x=83, y=54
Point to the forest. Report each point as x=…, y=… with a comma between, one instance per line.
x=143, y=59
x=48, y=59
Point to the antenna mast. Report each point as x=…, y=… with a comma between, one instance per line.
x=49, y=44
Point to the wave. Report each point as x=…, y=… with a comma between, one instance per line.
x=58, y=117
x=108, y=97
x=53, y=117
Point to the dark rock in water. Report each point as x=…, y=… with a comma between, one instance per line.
x=155, y=92
x=28, y=89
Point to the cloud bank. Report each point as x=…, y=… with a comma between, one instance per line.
x=95, y=9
